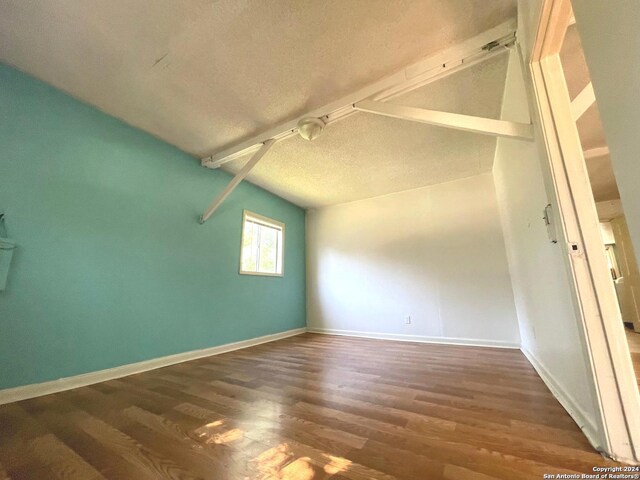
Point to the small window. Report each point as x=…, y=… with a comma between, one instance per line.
x=262, y=251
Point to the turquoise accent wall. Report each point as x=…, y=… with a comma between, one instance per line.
x=112, y=266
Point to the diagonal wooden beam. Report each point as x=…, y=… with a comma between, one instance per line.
x=468, y=123
x=596, y=152
x=236, y=180
x=470, y=52
x=582, y=102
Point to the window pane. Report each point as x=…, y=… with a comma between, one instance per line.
x=262, y=244
x=250, y=247
x=268, y=257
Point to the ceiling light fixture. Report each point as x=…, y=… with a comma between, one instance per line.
x=310, y=128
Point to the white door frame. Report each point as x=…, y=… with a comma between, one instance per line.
x=616, y=390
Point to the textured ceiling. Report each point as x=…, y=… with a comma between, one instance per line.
x=609, y=210
x=577, y=75
x=201, y=74
x=603, y=181
x=576, y=72
x=367, y=155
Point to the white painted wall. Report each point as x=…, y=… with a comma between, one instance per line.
x=611, y=42
x=549, y=324
x=529, y=12
x=436, y=253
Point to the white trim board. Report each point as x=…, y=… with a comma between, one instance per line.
x=567, y=401
x=466, y=123
x=399, y=337
x=24, y=392
x=445, y=62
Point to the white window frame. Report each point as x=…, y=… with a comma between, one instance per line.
x=269, y=222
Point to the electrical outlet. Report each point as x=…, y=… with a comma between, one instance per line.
x=407, y=319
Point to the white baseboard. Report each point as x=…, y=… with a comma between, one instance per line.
x=38, y=389
x=473, y=342
x=566, y=400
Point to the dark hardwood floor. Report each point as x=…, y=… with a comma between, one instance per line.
x=307, y=407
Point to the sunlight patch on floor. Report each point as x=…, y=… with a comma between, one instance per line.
x=299, y=469
x=227, y=437
x=208, y=429
x=336, y=464
x=211, y=434
x=279, y=463
x=271, y=461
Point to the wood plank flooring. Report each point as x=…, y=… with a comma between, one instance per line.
x=633, y=339
x=303, y=408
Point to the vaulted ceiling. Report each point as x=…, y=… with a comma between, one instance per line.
x=203, y=74
x=367, y=155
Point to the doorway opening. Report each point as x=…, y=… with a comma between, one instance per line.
x=591, y=219
x=619, y=251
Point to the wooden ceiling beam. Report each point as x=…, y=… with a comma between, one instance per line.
x=264, y=148
x=467, y=123
x=582, y=102
x=470, y=52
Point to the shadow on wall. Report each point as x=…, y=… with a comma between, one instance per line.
x=377, y=261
